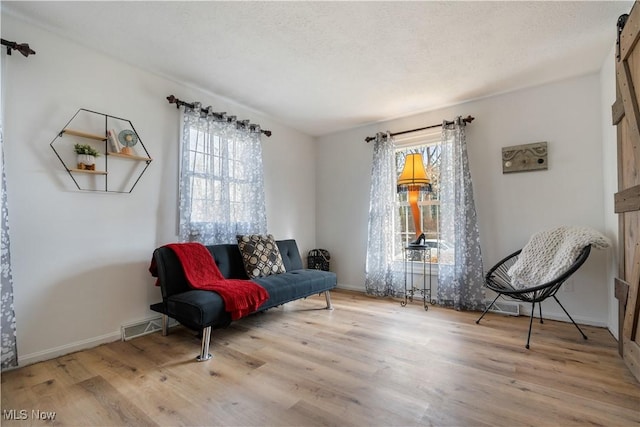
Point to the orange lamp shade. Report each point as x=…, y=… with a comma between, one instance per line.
x=413, y=176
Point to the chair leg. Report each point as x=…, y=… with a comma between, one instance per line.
x=570, y=318
x=540, y=309
x=533, y=309
x=487, y=309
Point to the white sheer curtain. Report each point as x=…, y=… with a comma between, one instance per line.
x=460, y=283
x=8, y=323
x=380, y=278
x=221, y=179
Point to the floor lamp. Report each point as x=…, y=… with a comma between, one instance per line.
x=414, y=180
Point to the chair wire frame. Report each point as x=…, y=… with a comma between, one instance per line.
x=499, y=281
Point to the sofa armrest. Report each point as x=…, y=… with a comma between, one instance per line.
x=170, y=273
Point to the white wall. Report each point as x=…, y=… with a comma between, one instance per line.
x=80, y=259
x=610, y=180
x=510, y=207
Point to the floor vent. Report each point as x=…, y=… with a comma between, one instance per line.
x=143, y=327
x=505, y=307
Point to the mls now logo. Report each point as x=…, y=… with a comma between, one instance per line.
x=37, y=414
x=14, y=414
x=23, y=414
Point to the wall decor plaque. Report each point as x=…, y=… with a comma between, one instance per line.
x=524, y=158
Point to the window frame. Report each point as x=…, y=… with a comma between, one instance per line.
x=415, y=141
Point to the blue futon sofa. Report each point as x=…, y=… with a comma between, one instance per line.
x=202, y=310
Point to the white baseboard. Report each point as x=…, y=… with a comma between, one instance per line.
x=350, y=287
x=39, y=356
x=525, y=310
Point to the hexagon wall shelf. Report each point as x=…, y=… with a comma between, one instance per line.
x=121, y=157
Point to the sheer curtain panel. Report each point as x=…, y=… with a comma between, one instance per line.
x=460, y=282
x=221, y=179
x=8, y=323
x=380, y=279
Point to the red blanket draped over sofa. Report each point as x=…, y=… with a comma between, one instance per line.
x=241, y=297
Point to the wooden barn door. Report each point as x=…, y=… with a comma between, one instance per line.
x=626, y=116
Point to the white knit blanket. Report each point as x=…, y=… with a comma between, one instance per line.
x=550, y=253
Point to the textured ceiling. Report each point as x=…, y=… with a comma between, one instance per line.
x=322, y=67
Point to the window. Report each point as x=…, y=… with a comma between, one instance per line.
x=216, y=179
x=428, y=145
x=222, y=192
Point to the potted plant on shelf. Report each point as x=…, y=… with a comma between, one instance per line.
x=86, y=156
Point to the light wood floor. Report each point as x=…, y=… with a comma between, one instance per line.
x=368, y=362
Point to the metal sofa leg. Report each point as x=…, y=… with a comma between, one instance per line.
x=327, y=296
x=165, y=325
x=204, y=351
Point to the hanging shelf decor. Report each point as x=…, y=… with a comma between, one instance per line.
x=101, y=152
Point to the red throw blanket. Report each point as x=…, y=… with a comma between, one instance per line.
x=241, y=297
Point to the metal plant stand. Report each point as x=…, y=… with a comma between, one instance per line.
x=409, y=289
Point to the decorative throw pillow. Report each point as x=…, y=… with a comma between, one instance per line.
x=260, y=255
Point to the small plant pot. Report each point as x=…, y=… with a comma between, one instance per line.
x=86, y=162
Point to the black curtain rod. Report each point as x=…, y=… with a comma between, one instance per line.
x=23, y=48
x=467, y=119
x=173, y=100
